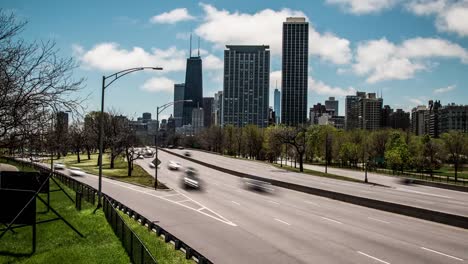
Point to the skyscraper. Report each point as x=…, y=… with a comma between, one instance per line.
x=294, y=71
x=193, y=86
x=178, y=108
x=277, y=106
x=246, y=85
x=218, y=108
x=332, y=104
x=363, y=111
x=352, y=110
x=207, y=111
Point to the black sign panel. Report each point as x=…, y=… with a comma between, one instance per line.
x=24, y=180
x=12, y=202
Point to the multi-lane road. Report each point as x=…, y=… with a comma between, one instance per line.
x=229, y=224
x=414, y=195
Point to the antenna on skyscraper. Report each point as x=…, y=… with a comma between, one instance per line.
x=190, y=54
x=198, y=46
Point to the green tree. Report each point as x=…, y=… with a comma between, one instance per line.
x=456, y=145
x=397, y=154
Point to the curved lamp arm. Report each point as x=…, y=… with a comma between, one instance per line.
x=119, y=74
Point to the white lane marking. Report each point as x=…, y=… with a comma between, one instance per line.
x=217, y=217
x=281, y=221
x=374, y=258
x=338, y=222
x=440, y=253
x=430, y=194
x=201, y=209
x=174, y=194
x=378, y=220
x=309, y=202
x=273, y=202
x=422, y=201
x=235, y=202
x=183, y=201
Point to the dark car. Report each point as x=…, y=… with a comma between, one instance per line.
x=187, y=154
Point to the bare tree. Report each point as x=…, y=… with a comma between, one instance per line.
x=34, y=80
x=77, y=139
x=295, y=137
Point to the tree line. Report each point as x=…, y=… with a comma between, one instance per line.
x=387, y=148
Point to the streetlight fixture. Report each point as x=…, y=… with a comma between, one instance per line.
x=159, y=109
x=114, y=77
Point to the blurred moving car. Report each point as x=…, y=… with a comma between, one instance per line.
x=151, y=164
x=180, y=147
x=59, y=166
x=74, y=171
x=173, y=165
x=187, y=154
x=34, y=159
x=257, y=185
x=191, y=179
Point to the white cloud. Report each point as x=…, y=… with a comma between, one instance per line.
x=211, y=62
x=110, y=56
x=321, y=88
x=454, y=19
x=158, y=84
x=222, y=27
x=426, y=7
x=451, y=16
x=416, y=101
x=363, y=6
x=172, y=17
x=445, y=89
x=183, y=35
x=381, y=60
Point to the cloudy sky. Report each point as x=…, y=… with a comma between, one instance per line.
x=409, y=51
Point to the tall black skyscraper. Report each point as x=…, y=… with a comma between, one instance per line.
x=178, y=108
x=193, y=86
x=294, y=71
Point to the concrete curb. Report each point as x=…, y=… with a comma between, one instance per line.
x=416, y=212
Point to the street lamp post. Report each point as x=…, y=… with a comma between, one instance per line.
x=159, y=109
x=114, y=77
x=365, y=154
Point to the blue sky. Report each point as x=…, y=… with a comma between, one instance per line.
x=410, y=51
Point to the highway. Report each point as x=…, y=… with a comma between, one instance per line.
x=437, y=199
x=229, y=224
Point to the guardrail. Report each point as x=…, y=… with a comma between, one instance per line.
x=133, y=245
x=416, y=212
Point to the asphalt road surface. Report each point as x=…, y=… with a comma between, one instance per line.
x=437, y=199
x=229, y=224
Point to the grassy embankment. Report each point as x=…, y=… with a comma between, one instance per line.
x=318, y=173
x=57, y=243
x=139, y=175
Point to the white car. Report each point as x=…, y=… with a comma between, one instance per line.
x=74, y=171
x=59, y=166
x=151, y=164
x=173, y=165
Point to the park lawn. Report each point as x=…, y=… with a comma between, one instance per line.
x=163, y=252
x=57, y=243
x=139, y=175
x=317, y=173
x=450, y=171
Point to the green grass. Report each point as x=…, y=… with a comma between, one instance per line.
x=318, y=173
x=450, y=171
x=162, y=252
x=57, y=243
x=139, y=175
x=18, y=165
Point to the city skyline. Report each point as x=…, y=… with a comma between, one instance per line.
x=339, y=62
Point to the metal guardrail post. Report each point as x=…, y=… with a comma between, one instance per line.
x=78, y=198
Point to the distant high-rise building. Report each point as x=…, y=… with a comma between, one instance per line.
x=193, y=86
x=363, y=111
x=385, y=119
x=370, y=112
x=295, y=61
x=208, y=110
x=352, y=110
x=332, y=104
x=315, y=112
x=61, y=125
x=178, y=107
x=218, y=108
x=418, y=120
x=246, y=85
x=277, y=106
x=432, y=124
x=453, y=117
x=197, y=119
x=146, y=117
x=400, y=120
